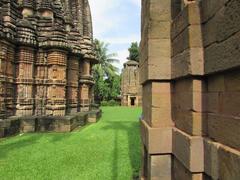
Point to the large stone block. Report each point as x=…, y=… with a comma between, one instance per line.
x=210, y=8
x=231, y=103
x=190, y=122
x=189, y=62
x=189, y=105
x=179, y=24
x=214, y=102
x=190, y=15
x=181, y=42
x=224, y=20
x=229, y=20
x=224, y=129
x=156, y=140
x=232, y=81
x=191, y=37
x=214, y=61
x=28, y=124
x=229, y=163
x=180, y=172
x=160, y=167
x=195, y=101
x=157, y=104
x=189, y=150
x=160, y=10
x=211, y=158
x=159, y=30
x=216, y=83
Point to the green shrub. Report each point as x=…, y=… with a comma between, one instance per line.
x=110, y=103
x=104, y=103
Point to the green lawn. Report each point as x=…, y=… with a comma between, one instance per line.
x=109, y=149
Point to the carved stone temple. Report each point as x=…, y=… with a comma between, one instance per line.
x=131, y=91
x=190, y=72
x=46, y=56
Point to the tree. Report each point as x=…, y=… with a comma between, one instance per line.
x=105, y=73
x=134, y=52
x=105, y=60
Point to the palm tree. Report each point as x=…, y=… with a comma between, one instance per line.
x=106, y=60
x=103, y=71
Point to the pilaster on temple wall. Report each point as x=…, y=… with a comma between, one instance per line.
x=85, y=85
x=57, y=67
x=25, y=81
x=41, y=85
x=72, y=86
x=7, y=69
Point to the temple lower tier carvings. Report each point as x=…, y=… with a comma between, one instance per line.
x=46, y=56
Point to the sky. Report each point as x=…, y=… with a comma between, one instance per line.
x=117, y=22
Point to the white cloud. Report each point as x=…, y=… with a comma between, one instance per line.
x=103, y=13
x=122, y=57
x=136, y=2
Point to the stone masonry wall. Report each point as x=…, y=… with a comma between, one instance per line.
x=190, y=74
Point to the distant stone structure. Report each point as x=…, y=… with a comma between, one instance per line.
x=46, y=55
x=131, y=91
x=190, y=72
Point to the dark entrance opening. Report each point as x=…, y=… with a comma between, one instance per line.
x=133, y=101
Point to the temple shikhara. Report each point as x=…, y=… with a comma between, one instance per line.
x=131, y=90
x=46, y=56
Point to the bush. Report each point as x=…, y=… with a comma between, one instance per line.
x=110, y=103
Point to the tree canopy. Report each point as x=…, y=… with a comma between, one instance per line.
x=134, y=52
x=105, y=74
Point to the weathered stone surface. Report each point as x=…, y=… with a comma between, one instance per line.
x=191, y=122
x=203, y=100
x=156, y=140
x=227, y=49
x=157, y=107
x=189, y=62
x=189, y=106
x=160, y=167
x=185, y=149
x=211, y=158
x=181, y=173
x=229, y=163
x=157, y=14
x=224, y=129
x=210, y=8
x=94, y=115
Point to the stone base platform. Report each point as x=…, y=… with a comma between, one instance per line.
x=15, y=125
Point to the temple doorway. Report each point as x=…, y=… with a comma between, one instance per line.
x=133, y=101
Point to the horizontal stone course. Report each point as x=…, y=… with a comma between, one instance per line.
x=15, y=125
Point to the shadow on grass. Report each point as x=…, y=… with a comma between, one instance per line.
x=6, y=148
x=29, y=140
x=133, y=134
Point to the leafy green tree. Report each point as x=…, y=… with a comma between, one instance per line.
x=105, y=73
x=134, y=52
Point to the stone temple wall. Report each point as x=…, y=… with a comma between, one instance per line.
x=190, y=72
x=131, y=90
x=46, y=55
